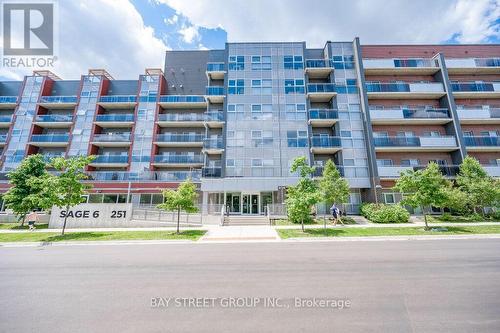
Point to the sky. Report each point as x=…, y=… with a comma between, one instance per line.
x=126, y=36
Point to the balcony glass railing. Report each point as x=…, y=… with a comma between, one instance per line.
x=58, y=99
x=115, y=117
x=54, y=118
x=112, y=137
x=213, y=143
x=387, y=87
x=111, y=159
x=323, y=114
x=194, y=175
x=317, y=63
x=181, y=117
x=325, y=141
x=215, y=67
x=214, y=116
x=472, y=86
x=3, y=137
x=482, y=141
x=179, y=159
x=320, y=87
x=446, y=170
x=49, y=157
x=215, y=91
x=487, y=62
x=50, y=138
x=167, y=137
x=212, y=172
x=394, y=141
x=8, y=99
x=414, y=63
x=118, y=99
x=426, y=113
x=5, y=119
x=182, y=99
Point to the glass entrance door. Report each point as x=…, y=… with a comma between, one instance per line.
x=250, y=204
x=233, y=202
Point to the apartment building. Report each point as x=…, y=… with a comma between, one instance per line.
x=233, y=120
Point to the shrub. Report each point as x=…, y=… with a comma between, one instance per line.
x=382, y=213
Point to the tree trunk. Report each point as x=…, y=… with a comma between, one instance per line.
x=425, y=219
x=302, y=222
x=23, y=220
x=65, y=219
x=178, y=219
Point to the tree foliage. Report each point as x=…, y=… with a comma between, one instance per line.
x=480, y=189
x=26, y=192
x=333, y=188
x=304, y=195
x=424, y=188
x=182, y=199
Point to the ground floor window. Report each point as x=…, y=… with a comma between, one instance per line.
x=107, y=198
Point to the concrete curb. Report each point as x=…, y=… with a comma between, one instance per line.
x=391, y=238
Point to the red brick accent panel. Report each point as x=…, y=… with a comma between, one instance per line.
x=424, y=157
x=428, y=51
x=418, y=130
x=476, y=129
x=485, y=158
x=410, y=102
x=405, y=78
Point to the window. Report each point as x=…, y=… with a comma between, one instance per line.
x=432, y=133
x=261, y=63
x=297, y=139
x=235, y=108
x=262, y=87
x=256, y=108
x=256, y=162
x=294, y=86
x=293, y=62
x=389, y=198
x=236, y=63
x=236, y=87
x=410, y=162
x=384, y=162
x=230, y=163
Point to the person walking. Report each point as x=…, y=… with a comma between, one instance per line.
x=336, y=214
x=32, y=219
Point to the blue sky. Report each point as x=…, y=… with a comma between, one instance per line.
x=126, y=36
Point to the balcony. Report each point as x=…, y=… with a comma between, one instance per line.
x=321, y=92
x=54, y=120
x=476, y=89
x=479, y=115
x=325, y=144
x=318, y=68
x=400, y=66
x=216, y=70
x=179, y=140
x=214, y=119
x=8, y=102
x=394, y=171
x=5, y=121
x=416, y=144
x=211, y=172
x=178, y=161
x=3, y=139
x=50, y=156
x=183, y=101
x=181, y=119
x=323, y=117
x=482, y=143
x=473, y=66
x=110, y=161
x=160, y=176
x=112, y=140
x=431, y=90
x=49, y=140
x=409, y=116
x=114, y=120
x=213, y=146
x=58, y=102
x=118, y=101
x=492, y=170
x=215, y=94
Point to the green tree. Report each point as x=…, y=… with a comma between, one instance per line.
x=184, y=198
x=480, y=189
x=66, y=189
x=304, y=195
x=424, y=188
x=25, y=193
x=332, y=187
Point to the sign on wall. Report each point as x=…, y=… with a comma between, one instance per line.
x=92, y=216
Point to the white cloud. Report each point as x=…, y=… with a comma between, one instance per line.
x=315, y=21
x=105, y=34
x=189, y=33
x=173, y=20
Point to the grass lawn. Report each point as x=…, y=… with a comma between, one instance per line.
x=318, y=221
x=403, y=231
x=100, y=236
x=460, y=219
x=17, y=226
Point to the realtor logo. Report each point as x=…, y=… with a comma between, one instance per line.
x=28, y=29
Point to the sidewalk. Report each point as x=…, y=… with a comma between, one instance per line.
x=6, y=231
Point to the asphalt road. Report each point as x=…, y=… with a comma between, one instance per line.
x=394, y=286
